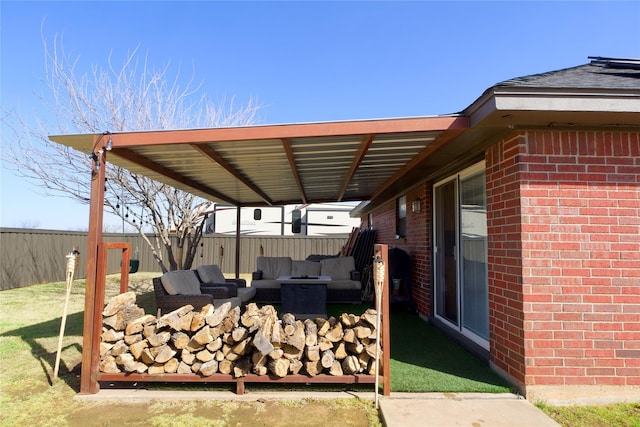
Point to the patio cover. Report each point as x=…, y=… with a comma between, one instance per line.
x=280, y=164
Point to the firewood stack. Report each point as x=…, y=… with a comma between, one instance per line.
x=228, y=341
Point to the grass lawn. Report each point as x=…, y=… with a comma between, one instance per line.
x=422, y=359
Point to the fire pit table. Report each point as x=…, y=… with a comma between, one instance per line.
x=304, y=296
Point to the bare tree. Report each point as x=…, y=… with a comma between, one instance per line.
x=132, y=96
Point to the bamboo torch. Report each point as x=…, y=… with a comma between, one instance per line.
x=379, y=284
x=72, y=265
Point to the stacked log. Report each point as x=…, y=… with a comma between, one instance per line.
x=230, y=341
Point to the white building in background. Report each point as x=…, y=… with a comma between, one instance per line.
x=318, y=219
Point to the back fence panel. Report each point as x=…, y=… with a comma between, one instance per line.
x=29, y=257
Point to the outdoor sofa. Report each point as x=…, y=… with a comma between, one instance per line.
x=344, y=287
x=199, y=287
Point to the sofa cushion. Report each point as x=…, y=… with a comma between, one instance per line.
x=181, y=282
x=338, y=268
x=274, y=267
x=210, y=274
x=344, y=285
x=305, y=268
x=246, y=294
x=266, y=284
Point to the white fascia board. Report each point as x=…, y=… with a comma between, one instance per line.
x=611, y=102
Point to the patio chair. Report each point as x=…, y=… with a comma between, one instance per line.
x=178, y=288
x=211, y=274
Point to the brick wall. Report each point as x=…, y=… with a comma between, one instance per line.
x=580, y=246
x=504, y=252
x=417, y=242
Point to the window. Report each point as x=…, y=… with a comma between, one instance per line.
x=401, y=217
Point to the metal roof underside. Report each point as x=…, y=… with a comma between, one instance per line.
x=280, y=164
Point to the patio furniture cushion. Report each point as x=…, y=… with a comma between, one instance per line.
x=305, y=268
x=274, y=267
x=210, y=274
x=338, y=268
x=181, y=282
x=246, y=294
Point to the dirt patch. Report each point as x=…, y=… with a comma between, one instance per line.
x=347, y=412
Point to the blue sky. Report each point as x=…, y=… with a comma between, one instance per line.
x=304, y=61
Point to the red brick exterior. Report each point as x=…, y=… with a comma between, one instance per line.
x=579, y=286
x=417, y=242
x=563, y=217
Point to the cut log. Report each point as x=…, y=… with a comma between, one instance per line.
x=231, y=320
x=313, y=368
x=298, y=338
x=174, y=318
x=355, y=347
x=137, y=348
x=119, y=348
x=250, y=316
x=295, y=366
x=204, y=355
x=171, y=366
x=196, y=366
x=258, y=358
x=364, y=359
x=323, y=326
x=131, y=339
x=239, y=333
x=105, y=348
x=279, y=367
x=116, y=303
x=242, y=367
x=288, y=323
x=184, y=368
x=187, y=357
x=327, y=359
x=109, y=365
x=277, y=353
x=350, y=365
x=225, y=366
x=156, y=369
x=370, y=316
x=149, y=330
x=311, y=333
x=349, y=336
x=336, y=369
x=291, y=352
x=194, y=346
x=165, y=354
x=203, y=336
x=324, y=343
x=159, y=339
x=349, y=320
x=262, y=344
x=219, y=355
x=243, y=347
x=219, y=313
x=215, y=345
x=136, y=326
x=185, y=321
x=340, y=351
x=363, y=332
x=112, y=336
x=335, y=334
x=209, y=368
x=312, y=353
x=146, y=357
x=198, y=321
x=180, y=340
x=260, y=370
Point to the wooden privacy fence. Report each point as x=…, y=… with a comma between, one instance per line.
x=29, y=257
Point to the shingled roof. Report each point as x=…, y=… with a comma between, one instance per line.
x=600, y=73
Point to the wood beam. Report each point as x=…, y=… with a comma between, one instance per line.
x=141, y=160
x=299, y=130
x=366, y=142
x=215, y=157
x=286, y=144
x=94, y=278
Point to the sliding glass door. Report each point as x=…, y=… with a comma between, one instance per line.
x=460, y=253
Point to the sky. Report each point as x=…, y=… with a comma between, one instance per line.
x=302, y=61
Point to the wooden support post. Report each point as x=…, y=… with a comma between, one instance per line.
x=125, y=259
x=237, y=242
x=383, y=252
x=95, y=265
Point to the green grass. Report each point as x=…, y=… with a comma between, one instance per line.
x=616, y=415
